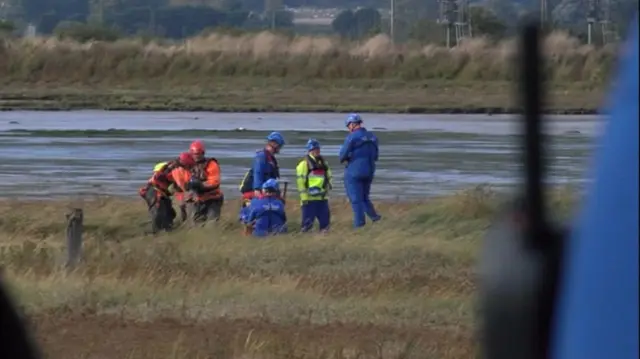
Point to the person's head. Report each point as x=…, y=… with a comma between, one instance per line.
x=313, y=146
x=275, y=142
x=270, y=187
x=197, y=150
x=353, y=122
x=186, y=159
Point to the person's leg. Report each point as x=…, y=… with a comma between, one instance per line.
x=307, y=216
x=324, y=215
x=368, y=205
x=355, y=194
x=197, y=212
x=154, y=209
x=214, y=209
x=169, y=213
x=183, y=212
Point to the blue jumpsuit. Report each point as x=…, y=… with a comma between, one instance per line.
x=598, y=309
x=265, y=166
x=360, y=152
x=269, y=216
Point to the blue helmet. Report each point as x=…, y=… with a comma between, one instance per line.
x=312, y=144
x=271, y=185
x=352, y=118
x=276, y=137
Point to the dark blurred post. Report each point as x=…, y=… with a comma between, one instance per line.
x=520, y=261
x=15, y=341
x=75, y=227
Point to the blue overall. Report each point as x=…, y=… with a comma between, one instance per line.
x=360, y=153
x=598, y=309
x=265, y=166
x=268, y=216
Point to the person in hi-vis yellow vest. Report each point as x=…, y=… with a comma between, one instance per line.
x=314, y=182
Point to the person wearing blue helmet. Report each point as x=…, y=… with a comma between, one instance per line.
x=266, y=214
x=598, y=305
x=264, y=167
x=314, y=182
x=359, y=153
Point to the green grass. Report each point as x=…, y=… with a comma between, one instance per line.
x=400, y=288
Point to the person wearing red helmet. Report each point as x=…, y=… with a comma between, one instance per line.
x=169, y=178
x=207, y=198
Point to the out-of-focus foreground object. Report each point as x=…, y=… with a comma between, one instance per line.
x=522, y=251
x=598, y=308
x=15, y=341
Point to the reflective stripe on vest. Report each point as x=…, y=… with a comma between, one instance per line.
x=316, y=179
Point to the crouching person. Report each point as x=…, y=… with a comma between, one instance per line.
x=168, y=178
x=266, y=214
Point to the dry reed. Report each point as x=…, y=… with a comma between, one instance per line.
x=268, y=55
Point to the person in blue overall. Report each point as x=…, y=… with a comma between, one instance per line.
x=360, y=154
x=597, y=315
x=264, y=167
x=266, y=212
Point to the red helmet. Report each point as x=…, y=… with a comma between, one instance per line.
x=185, y=159
x=196, y=148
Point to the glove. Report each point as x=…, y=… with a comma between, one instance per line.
x=194, y=184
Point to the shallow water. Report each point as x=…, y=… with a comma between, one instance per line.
x=49, y=154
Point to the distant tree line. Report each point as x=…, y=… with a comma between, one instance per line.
x=415, y=19
x=105, y=18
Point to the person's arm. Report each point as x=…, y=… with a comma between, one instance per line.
x=345, y=150
x=329, y=176
x=253, y=212
x=180, y=177
x=258, y=172
x=301, y=174
x=213, y=176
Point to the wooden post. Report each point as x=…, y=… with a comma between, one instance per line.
x=74, y=237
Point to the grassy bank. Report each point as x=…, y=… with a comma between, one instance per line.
x=267, y=72
x=402, y=288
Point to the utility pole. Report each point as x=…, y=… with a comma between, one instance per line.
x=599, y=11
x=606, y=7
x=444, y=18
x=271, y=7
x=593, y=15
x=544, y=14
x=392, y=21
x=462, y=20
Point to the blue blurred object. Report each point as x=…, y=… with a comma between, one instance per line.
x=598, y=308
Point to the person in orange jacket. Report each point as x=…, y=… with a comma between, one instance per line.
x=168, y=178
x=206, y=197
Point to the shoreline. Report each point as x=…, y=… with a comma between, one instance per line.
x=253, y=95
x=416, y=111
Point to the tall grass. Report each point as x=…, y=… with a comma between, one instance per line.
x=400, y=288
x=267, y=55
